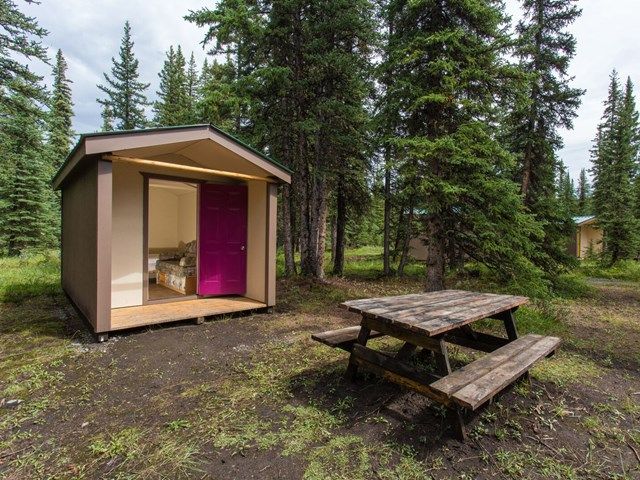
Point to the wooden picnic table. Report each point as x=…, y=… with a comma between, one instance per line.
x=430, y=321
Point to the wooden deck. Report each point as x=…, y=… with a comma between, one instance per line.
x=131, y=317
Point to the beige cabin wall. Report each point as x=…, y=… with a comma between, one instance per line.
x=187, y=210
x=79, y=240
x=163, y=218
x=256, y=240
x=127, y=233
x=589, y=235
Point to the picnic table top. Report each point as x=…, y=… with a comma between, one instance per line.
x=433, y=313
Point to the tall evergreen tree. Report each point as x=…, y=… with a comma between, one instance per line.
x=25, y=214
x=568, y=201
x=192, y=90
x=614, y=168
x=171, y=108
x=584, y=194
x=107, y=119
x=123, y=89
x=219, y=103
x=20, y=39
x=448, y=72
x=25, y=209
x=546, y=104
x=60, y=114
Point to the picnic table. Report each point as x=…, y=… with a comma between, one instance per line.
x=430, y=321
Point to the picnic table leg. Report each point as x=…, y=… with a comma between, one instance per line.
x=352, y=368
x=405, y=351
x=512, y=333
x=454, y=414
x=510, y=325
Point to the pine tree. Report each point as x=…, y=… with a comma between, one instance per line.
x=193, y=91
x=219, y=103
x=614, y=168
x=171, y=108
x=448, y=70
x=60, y=114
x=20, y=39
x=584, y=194
x=546, y=103
x=25, y=214
x=123, y=89
x=566, y=193
x=234, y=27
x=107, y=119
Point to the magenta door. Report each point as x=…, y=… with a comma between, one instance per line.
x=222, y=240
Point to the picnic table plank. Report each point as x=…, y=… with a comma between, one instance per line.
x=478, y=392
x=467, y=374
x=435, y=312
x=419, y=305
x=367, y=303
x=341, y=337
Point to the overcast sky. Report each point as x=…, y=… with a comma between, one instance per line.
x=89, y=34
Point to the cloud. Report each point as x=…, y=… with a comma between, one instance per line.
x=89, y=34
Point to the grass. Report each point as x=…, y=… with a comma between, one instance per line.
x=30, y=276
x=628, y=270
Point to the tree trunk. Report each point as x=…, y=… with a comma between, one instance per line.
x=334, y=226
x=341, y=220
x=386, y=260
x=435, y=255
x=289, y=259
x=408, y=230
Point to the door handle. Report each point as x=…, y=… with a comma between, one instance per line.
x=242, y=248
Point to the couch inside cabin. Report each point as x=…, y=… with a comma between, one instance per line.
x=176, y=269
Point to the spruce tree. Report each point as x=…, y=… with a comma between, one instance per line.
x=192, y=91
x=566, y=193
x=545, y=104
x=584, y=194
x=20, y=39
x=448, y=71
x=107, y=119
x=219, y=103
x=123, y=89
x=60, y=114
x=171, y=108
x=614, y=168
x=25, y=212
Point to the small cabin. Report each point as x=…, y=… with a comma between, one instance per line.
x=167, y=224
x=588, y=237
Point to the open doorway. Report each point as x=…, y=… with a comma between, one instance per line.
x=171, y=239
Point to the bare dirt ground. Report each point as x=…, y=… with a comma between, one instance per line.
x=254, y=397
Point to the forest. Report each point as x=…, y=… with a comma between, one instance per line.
x=433, y=119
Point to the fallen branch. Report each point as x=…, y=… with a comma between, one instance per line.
x=634, y=451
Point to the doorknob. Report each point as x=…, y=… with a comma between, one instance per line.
x=242, y=248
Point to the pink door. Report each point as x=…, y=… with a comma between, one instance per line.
x=222, y=240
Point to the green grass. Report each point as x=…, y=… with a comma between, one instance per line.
x=628, y=270
x=31, y=276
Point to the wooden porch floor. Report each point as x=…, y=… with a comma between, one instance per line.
x=130, y=317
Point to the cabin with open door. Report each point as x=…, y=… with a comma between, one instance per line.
x=167, y=224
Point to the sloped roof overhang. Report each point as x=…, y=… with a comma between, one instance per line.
x=188, y=146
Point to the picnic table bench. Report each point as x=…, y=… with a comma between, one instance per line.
x=430, y=321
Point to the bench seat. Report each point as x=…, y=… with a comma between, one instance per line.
x=478, y=382
x=343, y=338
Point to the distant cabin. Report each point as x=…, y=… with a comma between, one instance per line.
x=588, y=237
